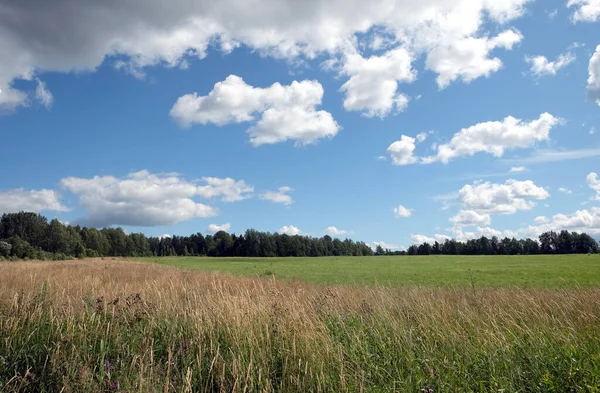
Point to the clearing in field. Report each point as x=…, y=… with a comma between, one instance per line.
x=543, y=271
x=120, y=326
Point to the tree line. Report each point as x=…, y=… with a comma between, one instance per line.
x=26, y=235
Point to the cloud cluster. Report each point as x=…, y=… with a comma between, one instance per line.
x=140, y=199
x=372, y=86
x=19, y=199
x=587, y=221
x=507, y=198
x=214, y=228
x=495, y=137
x=594, y=183
x=280, y=196
x=593, y=83
x=228, y=189
x=135, y=35
x=284, y=112
x=386, y=246
x=540, y=66
x=289, y=230
x=587, y=10
x=492, y=137
x=333, y=231
x=402, y=212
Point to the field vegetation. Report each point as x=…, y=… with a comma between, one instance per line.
x=119, y=326
x=542, y=271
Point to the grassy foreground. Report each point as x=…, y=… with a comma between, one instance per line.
x=543, y=271
x=117, y=326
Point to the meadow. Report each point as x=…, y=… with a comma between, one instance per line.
x=543, y=271
x=122, y=326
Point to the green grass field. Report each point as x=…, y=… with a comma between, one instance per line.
x=543, y=271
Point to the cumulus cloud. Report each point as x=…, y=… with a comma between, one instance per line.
x=20, y=199
x=461, y=235
x=214, y=228
x=386, y=246
x=140, y=199
x=518, y=169
x=593, y=83
x=283, y=112
x=333, y=231
x=289, y=230
x=495, y=137
x=401, y=151
x=372, y=86
x=402, y=212
x=280, y=196
x=469, y=58
x=420, y=239
x=594, y=183
x=540, y=220
x=228, y=189
x=587, y=221
x=540, y=66
x=135, y=36
x=471, y=217
x=507, y=198
x=586, y=10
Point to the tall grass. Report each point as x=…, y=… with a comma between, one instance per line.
x=116, y=326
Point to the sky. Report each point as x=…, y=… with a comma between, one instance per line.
x=391, y=122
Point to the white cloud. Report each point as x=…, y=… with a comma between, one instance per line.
x=372, y=86
x=593, y=83
x=285, y=112
x=401, y=151
x=495, y=137
x=540, y=66
x=382, y=158
x=20, y=199
x=165, y=236
x=140, y=199
x=289, y=230
x=468, y=58
x=402, y=212
x=135, y=36
x=540, y=220
x=420, y=239
x=421, y=136
x=518, y=169
x=552, y=14
x=592, y=131
x=507, y=198
x=543, y=156
x=471, y=217
x=279, y=196
x=565, y=190
x=459, y=234
x=228, y=189
x=386, y=246
x=587, y=221
x=43, y=95
x=214, y=228
x=333, y=231
x=587, y=10
x=594, y=183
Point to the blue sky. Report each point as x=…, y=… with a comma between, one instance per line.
x=394, y=123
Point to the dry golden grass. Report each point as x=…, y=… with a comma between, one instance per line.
x=166, y=329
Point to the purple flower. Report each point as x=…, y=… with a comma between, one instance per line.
x=107, y=366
